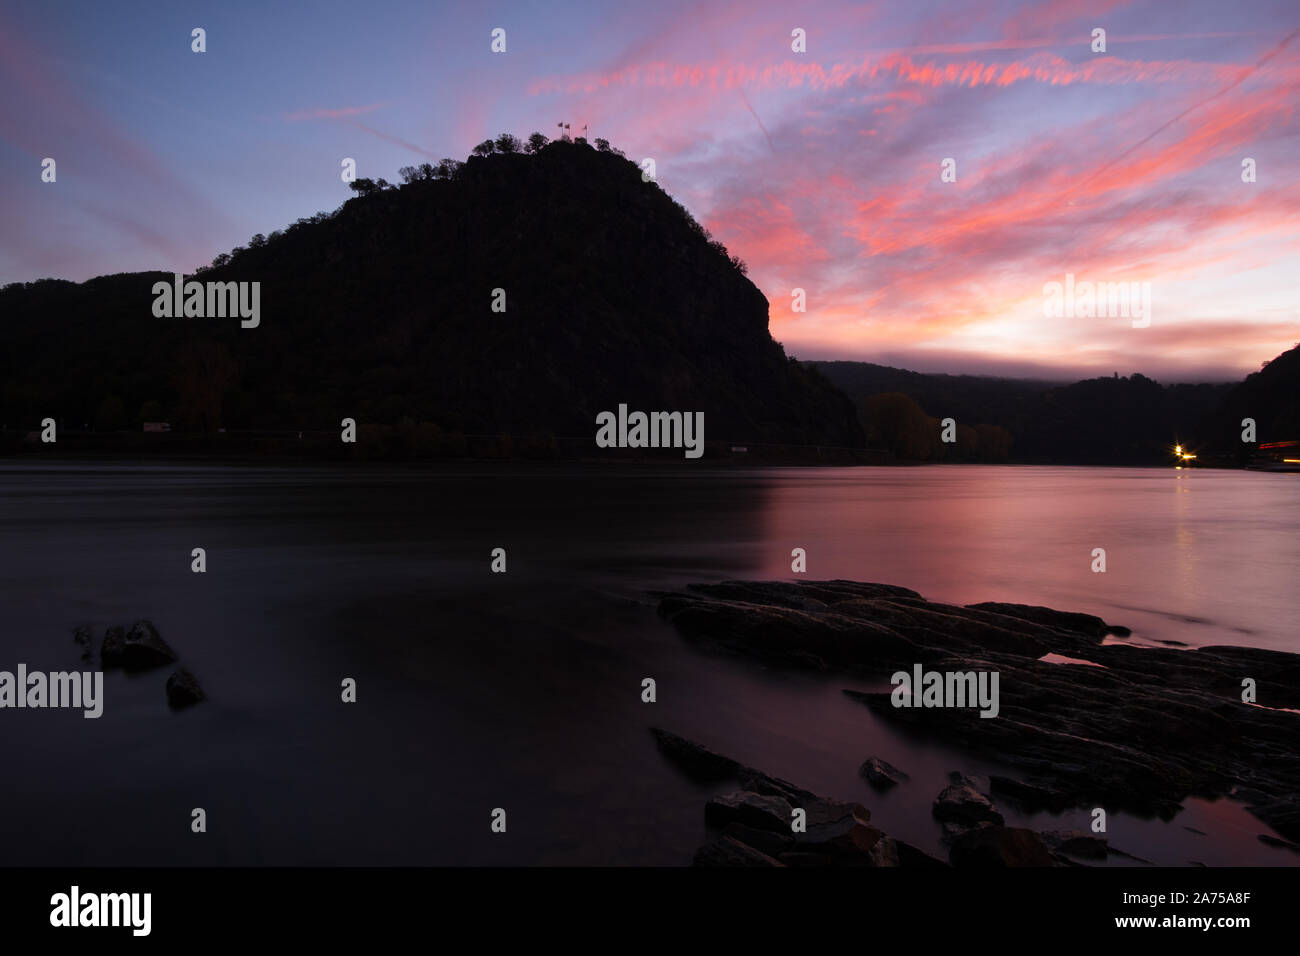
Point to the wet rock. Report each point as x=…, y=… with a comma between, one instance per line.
x=951, y=831
x=1029, y=796
x=858, y=845
x=1116, y=851
x=965, y=805
x=1282, y=814
x=834, y=822
x=756, y=810
x=1280, y=844
x=1140, y=733
x=110, y=651
x=913, y=857
x=728, y=851
x=140, y=649
x=881, y=774
x=757, y=822
x=703, y=765
x=981, y=782
x=694, y=760
x=84, y=638
x=1048, y=617
x=1076, y=843
x=765, y=841
x=145, y=649
x=183, y=690
x=997, y=846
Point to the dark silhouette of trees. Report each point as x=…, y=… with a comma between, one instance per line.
x=895, y=422
x=204, y=373
x=415, y=174
x=111, y=415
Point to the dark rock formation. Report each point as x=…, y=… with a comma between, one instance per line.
x=1076, y=843
x=385, y=303
x=183, y=690
x=762, y=811
x=962, y=803
x=1144, y=731
x=997, y=846
x=1280, y=844
x=757, y=822
x=84, y=638
x=111, y=649
x=701, y=764
x=881, y=774
x=729, y=851
x=139, y=649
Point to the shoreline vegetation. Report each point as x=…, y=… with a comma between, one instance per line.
x=1140, y=731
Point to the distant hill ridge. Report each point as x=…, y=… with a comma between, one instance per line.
x=1109, y=420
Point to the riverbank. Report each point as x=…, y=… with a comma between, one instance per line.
x=1086, y=720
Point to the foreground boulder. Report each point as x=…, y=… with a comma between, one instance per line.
x=1142, y=732
x=881, y=774
x=84, y=638
x=140, y=649
x=729, y=851
x=112, y=647
x=964, y=804
x=756, y=823
x=1076, y=843
x=183, y=690
x=998, y=846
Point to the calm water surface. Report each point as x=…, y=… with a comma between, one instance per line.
x=522, y=690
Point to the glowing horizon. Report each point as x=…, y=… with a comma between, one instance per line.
x=822, y=169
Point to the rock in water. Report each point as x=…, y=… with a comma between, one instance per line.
x=756, y=810
x=1076, y=843
x=84, y=638
x=730, y=852
x=110, y=652
x=881, y=774
x=183, y=690
x=145, y=648
x=962, y=803
x=995, y=846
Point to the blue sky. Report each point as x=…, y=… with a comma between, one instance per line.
x=820, y=168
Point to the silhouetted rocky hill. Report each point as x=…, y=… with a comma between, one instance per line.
x=383, y=311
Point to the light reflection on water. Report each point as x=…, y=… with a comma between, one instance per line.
x=523, y=690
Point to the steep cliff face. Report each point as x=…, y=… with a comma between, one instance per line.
x=383, y=310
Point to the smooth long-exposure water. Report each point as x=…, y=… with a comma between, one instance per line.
x=523, y=690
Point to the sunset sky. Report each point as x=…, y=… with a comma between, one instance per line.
x=820, y=169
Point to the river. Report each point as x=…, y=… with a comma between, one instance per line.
x=522, y=690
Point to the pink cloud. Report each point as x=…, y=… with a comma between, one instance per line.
x=326, y=113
